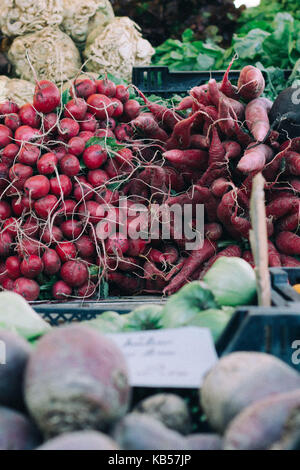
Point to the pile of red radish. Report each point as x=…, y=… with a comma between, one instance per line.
x=64, y=168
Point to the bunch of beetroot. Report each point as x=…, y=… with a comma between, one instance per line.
x=66, y=165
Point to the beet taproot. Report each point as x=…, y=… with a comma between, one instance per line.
x=76, y=379
x=80, y=440
x=16, y=431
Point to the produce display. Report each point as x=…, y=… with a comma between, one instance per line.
x=67, y=379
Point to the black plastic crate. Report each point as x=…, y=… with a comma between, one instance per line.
x=274, y=330
x=57, y=313
x=282, y=281
x=160, y=81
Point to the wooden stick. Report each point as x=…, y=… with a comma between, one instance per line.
x=259, y=241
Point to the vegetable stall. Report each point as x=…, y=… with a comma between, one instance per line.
x=108, y=192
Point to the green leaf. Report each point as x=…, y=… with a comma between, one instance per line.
x=250, y=46
x=115, y=186
x=65, y=97
x=187, y=35
x=205, y=62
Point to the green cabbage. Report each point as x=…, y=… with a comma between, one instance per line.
x=232, y=281
x=145, y=317
x=107, y=322
x=215, y=320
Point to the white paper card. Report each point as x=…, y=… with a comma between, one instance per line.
x=178, y=357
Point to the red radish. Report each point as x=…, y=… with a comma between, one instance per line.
x=46, y=96
x=117, y=107
x=108, y=124
x=76, y=146
x=27, y=134
x=122, y=93
x=76, y=109
x=229, y=251
x=5, y=210
x=288, y=243
x=251, y=83
x=28, y=288
x=90, y=211
x=61, y=185
x=11, y=226
x=213, y=231
x=61, y=290
x=50, y=123
x=84, y=87
x=47, y=163
x=104, y=133
x=289, y=261
x=167, y=117
x=31, y=267
x=74, y=273
x=29, y=154
x=274, y=257
x=198, y=141
x=45, y=206
x=60, y=151
x=195, y=260
x=132, y=109
x=69, y=165
x=30, y=227
x=8, y=107
x=94, y=156
x=89, y=123
x=125, y=284
x=145, y=123
x=254, y=159
x=193, y=159
x=71, y=229
x=257, y=118
x=68, y=128
x=5, y=243
x=117, y=244
x=136, y=247
x=106, y=87
x=232, y=149
x=289, y=223
x=86, y=135
x=51, y=262
x=8, y=284
x=37, y=186
x=12, y=265
x=5, y=136
x=101, y=106
x=12, y=121
x=29, y=116
x=281, y=206
x=97, y=178
x=85, y=246
x=4, y=172
x=51, y=235
x=220, y=186
x=293, y=163
x=66, y=251
x=19, y=173
x=123, y=132
x=248, y=256
x=9, y=153
x=87, y=290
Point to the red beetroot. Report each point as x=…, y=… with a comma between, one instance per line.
x=117, y=244
x=60, y=151
x=9, y=154
x=26, y=134
x=51, y=262
x=90, y=211
x=8, y=107
x=50, y=123
x=45, y=206
x=86, y=135
x=61, y=290
x=132, y=109
x=61, y=185
x=104, y=133
x=118, y=107
x=46, y=96
x=30, y=227
x=74, y=273
x=29, y=154
x=69, y=165
x=94, y=156
x=29, y=246
x=97, y=178
x=5, y=136
x=12, y=121
x=68, y=128
x=37, y=186
x=76, y=146
x=12, y=265
x=66, y=251
x=8, y=284
x=3, y=175
x=106, y=87
x=11, y=226
x=288, y=243
x=67, y=207
x=85, y=247
x=31, y=267
x=76, y=109
x=87, y=290
x=28, y=288
x=101, y=106
x=47, y=163
x=29, y=116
